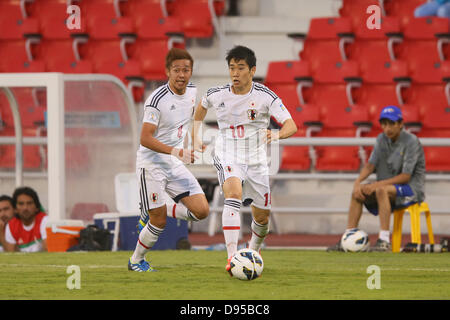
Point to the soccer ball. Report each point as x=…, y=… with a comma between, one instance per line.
x=246, y=264
x=355, y=240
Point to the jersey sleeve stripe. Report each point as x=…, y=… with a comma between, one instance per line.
x=266, y=90
x=211, y=91
x=154, y=102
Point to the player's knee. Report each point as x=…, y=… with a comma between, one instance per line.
x=158, y=218
x=381, y=192
x=263, y=219
x=202, y=212
x=160, y=223
x=356, y=197
x=234, y=195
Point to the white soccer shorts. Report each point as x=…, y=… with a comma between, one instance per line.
x=156, y=183
x=255, y=181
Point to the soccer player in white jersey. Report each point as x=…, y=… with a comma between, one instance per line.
x=161, y=156
x=243, y=110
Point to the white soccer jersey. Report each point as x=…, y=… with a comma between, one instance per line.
x=171, y=113
x=241, y=119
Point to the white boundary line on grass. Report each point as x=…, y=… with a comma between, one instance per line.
x=61, y=266
x=124, y=267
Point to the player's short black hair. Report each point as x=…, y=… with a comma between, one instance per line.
x=5, y=197
x=242, y=53
x=29, y=192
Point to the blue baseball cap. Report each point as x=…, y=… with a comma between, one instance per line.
x=392, y=113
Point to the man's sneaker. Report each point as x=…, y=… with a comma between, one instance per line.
x=142, y=266
x=141, y=224
x=228, y=267
x=336, y=247
x=381, y=246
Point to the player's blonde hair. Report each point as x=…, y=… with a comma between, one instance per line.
x=177, y=54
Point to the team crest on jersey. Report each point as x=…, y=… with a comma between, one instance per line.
x=154, y=197
x=251, y=114
x=229, y=169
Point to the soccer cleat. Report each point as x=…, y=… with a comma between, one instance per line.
x=381, y=246
x=228, y=267
x=142, y=266
x=336, y=247
x=141, y=224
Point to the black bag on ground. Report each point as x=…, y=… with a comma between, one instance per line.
x=92, y=238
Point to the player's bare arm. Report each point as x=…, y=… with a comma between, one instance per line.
x=288, y=129
x=366, y=171
x=402, y=178
x=199, y=116
x=10, y=247
x=150, y=142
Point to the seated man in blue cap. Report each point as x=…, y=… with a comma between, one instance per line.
x=399, y=163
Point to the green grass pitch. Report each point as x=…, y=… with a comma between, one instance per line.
x=200, y=275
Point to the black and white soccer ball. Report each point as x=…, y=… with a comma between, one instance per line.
x=246, y=264
x=355, y=240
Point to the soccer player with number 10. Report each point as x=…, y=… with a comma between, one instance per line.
x=243, y=110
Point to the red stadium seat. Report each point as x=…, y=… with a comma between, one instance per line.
x=326, y=41
x=150, y=20
x=104, y=20
x=295, y=159
x=15, y=22
x=31, y=154
x=32, y=120
x=110, y=57
x=152, y=56
x=372, y=45
x=30, y=110
x=282, y=77
x=339, y=115
x=195, y=16
x=357, y=11
x=437, y=158
x=403, y=9
x=423, y=45
x=382, y=86
x=18, y=56
x=64, y=56
x=286, y=71
x=52, y=16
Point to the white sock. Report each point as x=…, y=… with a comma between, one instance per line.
x=147, y=238
x=231, y=224
x=179, y=211
x=384, y=235
x=259, y=233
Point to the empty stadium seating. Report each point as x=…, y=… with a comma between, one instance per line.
x=104, y=19
x=403, y=9
x=150, y=20
x=15, y=21
x=195, y=16
x=423, y=45
x=326, y=41
x=382, y=84
x=373, y=45
x=402, y=63
x=339, y=115
x=19, y=56
x=356, y=11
